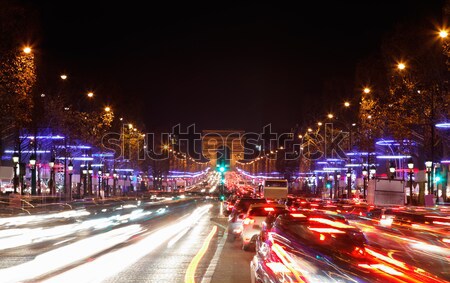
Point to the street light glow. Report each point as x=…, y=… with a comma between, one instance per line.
x=347, y=104
x=366, y=90
x=330, y=116
x=27, y=50
x=107, y=109
x=90, y=94
x=401, y=66
x=443, y=34
x=63, y=77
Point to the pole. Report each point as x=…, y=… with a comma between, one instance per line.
x=336, y=184
x=84, y=184
x=410, y=187
x=107, y=187
x=114, y=185
x=65, y=167
x=15, y=178
x=70, y=186
x=364, y=187
x=99, y=185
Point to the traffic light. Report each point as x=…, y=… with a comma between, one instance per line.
x=222, y=197
x=328, y=185
x=221, y=166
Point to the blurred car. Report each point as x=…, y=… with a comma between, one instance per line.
x=316, y=246
x=301, y=247
x=229, y=204
x=238, y=213
x=294, y=203
x=256, y=214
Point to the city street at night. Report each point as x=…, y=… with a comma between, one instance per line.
x=221, y=142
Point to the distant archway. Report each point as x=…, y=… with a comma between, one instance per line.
x=223, y=145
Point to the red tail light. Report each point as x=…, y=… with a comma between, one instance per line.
x=269, y=209
x=248, y=221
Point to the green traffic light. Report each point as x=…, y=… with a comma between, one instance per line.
x=222, y=197
x=222, y=169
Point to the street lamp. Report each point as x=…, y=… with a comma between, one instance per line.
x=107, y=183
x=70, y=168
x=349, y=182
x=338, y=178
x=364, y=173
x=99, y=175
x=410, y=167
x=85, y=171
x=392, y=170
x=33, y=173
x=15, y=159
x=372, y=171
x=52, y=179
x=429, y=165
x=115, y=176
x=90, y=171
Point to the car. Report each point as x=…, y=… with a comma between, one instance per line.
x=297, y=203
x=302, y=247
x=256, y=214
x=238, y=213
x=229, y=204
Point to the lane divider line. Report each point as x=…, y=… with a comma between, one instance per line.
x=189, y=277
x=215, y=260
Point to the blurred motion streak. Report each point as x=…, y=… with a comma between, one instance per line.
x=190, y=271
x=114, y=262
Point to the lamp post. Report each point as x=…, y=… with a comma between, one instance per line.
x=349, y=182
x=90, y=171
x=372, y=171
x=364, y=173
x=85, y=171
x=33, y=173
x=429, y=164
x=114, y=182
x=392, y=171
x=52, y=180
x=107, y=184
x=70, y=168
x=338, y=178
x=410, y=167
x=15, y=159
x=99, y=175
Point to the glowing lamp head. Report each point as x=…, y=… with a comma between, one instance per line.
x=70, y=167
x=443, y=34
x=33, y=159
x=410, y=164
x=27, y=50
x=15, y=157
x=392, y=168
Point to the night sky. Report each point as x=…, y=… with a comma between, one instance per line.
x=219, y=65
